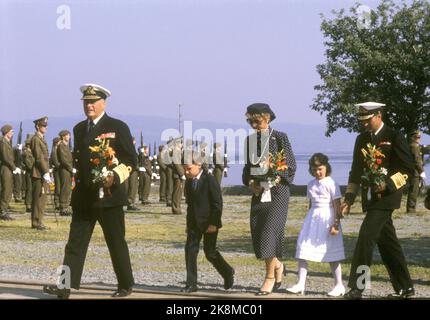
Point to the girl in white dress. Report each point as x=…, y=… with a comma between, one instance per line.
x=320, y=239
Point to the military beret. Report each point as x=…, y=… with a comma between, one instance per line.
x=41, y=122
x=28, y=138
x=259, y=108
x=367, y=110
x=63, y=133
x=6, y=128
x=56, y=140
x=93, y=91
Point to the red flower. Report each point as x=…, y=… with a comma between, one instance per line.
x=96, y=161
x=109, y=163
x=378, y=161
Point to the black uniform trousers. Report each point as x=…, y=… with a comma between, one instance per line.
x=378, y=229
x=194, y=236
x=81, y=229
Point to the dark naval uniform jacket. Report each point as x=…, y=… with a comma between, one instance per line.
x=398, y=162
x=85, y=195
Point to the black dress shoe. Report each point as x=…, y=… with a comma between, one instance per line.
x=403, y=294
x=54, y=290
x=353, y=294
x=189, y=289
x=121, y=293
x=229, y=281
x=132, y=208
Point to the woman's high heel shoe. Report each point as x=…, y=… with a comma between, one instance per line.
x=265, y=293
x=284, y=272
x=338, y=291
x=296, y=289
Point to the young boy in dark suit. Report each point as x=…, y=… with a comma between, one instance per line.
x=204, y=200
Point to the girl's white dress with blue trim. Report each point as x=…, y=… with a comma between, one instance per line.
x=315, y=242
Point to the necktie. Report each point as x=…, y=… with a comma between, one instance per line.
x=91, y=126
x=195, y=181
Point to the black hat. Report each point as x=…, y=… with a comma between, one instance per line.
x=41, y=122
x=259, y=108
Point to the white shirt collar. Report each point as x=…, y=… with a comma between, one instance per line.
x=97, y=119
x=199, y=175
x=380, y=128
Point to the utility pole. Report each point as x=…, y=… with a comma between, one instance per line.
x=180, y=119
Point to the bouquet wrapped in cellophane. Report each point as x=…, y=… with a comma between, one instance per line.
x=104, y=161
x=272, y=167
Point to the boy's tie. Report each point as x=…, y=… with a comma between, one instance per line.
x=195, y=181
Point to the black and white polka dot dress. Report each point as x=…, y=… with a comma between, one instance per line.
x=268, y=219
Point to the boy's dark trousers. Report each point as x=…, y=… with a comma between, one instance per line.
x=194, y=236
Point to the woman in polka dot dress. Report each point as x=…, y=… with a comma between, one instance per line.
x=268, y=208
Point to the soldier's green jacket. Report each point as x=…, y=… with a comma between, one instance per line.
x=65, y=157
x=6, y=154
x=416, y=153
x=28, y=159
x=39, y=148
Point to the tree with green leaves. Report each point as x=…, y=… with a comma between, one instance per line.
x=378, y=55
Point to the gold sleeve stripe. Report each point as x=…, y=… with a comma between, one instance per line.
x=352, y=188
x=123, y=172
x=399, y=179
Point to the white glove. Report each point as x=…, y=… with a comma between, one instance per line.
x=423, y=175
x=211, y=171
x=74, y=170
x=150, y=158
x=184, y=178
x=225, y=169
x=19, y=146
x=142, y=169
x=157, y=167
x=155, y=157
x=47, y=178
x=16, y=171
x=50, y=170
x=154, y=176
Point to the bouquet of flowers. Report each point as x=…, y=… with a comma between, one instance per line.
x=374, y=174
x=271, y=168
x=103, y=160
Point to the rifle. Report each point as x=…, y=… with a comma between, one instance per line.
x=225, y=158
x=141, y=139
x=18, y=150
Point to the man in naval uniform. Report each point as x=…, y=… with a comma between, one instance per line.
x=102, y=202
x=379, y=202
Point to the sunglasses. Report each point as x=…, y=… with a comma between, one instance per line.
x=250, y=121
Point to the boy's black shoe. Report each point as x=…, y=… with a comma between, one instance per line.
x=354, y=294
x=54, y=290
x=403, y=294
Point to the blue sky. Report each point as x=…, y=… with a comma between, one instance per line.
x=214, y=57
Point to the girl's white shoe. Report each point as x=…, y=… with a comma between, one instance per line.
x=297, y=289
x=337, y=291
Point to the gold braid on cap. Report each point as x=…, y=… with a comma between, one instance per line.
x=352, y=188
x=123, y=172
x=399, y=179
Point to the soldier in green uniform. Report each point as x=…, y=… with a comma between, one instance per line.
x=414, y=183
x=163, y=175
x=65, y=171
x=28, y=161
x=218, y=163
x=178, y=174
x=133, y=186
x=145, y=174
x=166, y=155
x=54, y=166
x=7, y=170
x=40, y=174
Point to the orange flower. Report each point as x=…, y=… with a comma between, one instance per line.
x=96, y=161
x=375, y=166
x=109, y=163
x=379, y=154
x=109, y=152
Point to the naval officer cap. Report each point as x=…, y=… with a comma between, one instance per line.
x=5, y=129
x=93, y=91
x=260, y=108
x=367, y=110
x=42, y=122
